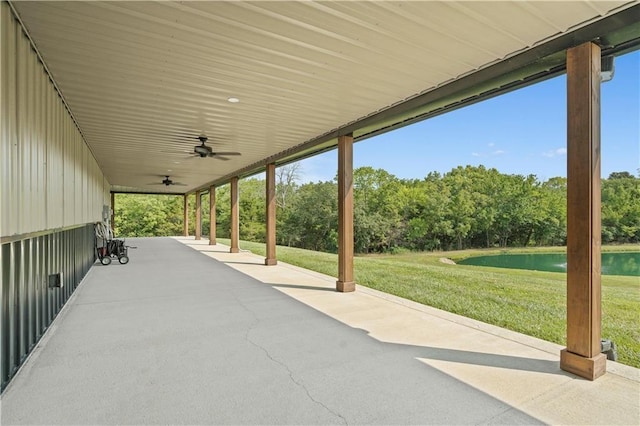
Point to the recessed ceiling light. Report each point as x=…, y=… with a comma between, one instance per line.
x=233, y=100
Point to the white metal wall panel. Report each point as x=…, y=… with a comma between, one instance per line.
x=49, y=177
x=42, y=150
x=54, y=171
x=37, y=140
x=22, y=111
x=86, y=175
x=8, y=105
x=69, y=157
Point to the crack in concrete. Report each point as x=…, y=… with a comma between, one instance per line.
x=291, y=375
x=251, y=327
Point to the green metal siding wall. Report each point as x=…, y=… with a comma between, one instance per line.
x=29, y=305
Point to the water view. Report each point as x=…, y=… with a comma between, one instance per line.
x=627, y=263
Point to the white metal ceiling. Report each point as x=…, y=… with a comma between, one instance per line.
x=140, y=77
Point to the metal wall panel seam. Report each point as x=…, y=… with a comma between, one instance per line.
x=68, y=270
x=66, y=174
x=42, y=285
x=60, y=265
x=4, y=312
x=57, y=165
x=12, y=307
x=77, y=177
x=27, y=143
x=22, y=305
x=85, y=187
x=52, y=210
x=37, y=278
x=38, y=164
x=19, y=135
x=49, y=268
x=31, y=290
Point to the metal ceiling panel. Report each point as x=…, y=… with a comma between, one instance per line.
x=142, y=77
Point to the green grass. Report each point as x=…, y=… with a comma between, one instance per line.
x=529, y=302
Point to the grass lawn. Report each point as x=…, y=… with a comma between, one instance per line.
x=529, y=302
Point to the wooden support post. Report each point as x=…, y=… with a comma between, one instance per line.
x=271, y=215
x=212, y=215
x=345, y=281
x=583, y=354
x=235, y=217
x=185, y=210
x=198, y=215
x=113, y=212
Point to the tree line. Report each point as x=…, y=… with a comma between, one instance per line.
x=468, y=207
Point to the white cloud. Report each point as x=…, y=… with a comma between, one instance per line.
x=555, y=152
x=498, y=152
x=476, y=154
x=491, y=144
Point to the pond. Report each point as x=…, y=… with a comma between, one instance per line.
x=624, y=263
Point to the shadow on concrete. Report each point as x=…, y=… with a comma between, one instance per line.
x=490, y=360
x=303, y=287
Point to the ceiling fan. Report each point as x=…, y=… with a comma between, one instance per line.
x=167, y=182
x=203, y=150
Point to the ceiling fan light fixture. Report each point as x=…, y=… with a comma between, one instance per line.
x=202, y=150
x=233, y=100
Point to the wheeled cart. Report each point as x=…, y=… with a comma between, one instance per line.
x=107, y=247
x=113, y=249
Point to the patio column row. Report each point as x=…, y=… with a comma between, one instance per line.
x=345, y=281
x=582, y=355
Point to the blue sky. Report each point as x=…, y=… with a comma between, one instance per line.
x=521, y=132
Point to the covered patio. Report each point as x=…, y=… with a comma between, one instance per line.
x=188, y=333
x=100, y=98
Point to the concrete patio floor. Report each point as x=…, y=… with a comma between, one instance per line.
x=188, y=333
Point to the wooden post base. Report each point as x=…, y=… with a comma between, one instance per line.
x=589, y=368
x=234, y=250
x=345, y=286
x=270, y=262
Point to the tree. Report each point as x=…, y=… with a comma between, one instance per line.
x=621, y=175
x=315, y=222
x=286, y=183
x=377, y=211
x=621, y=210
x=467, y=207
x=140, y=215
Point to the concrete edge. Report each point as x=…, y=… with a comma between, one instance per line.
x=622, y=370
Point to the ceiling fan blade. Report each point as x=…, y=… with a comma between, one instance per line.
x=226, y=153
x=155, y=183
x=179, y=184
x=218, y=156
